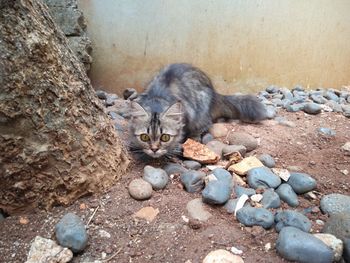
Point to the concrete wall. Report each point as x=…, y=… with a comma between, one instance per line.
x=243, y=45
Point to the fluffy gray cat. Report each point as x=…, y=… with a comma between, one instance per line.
x=180, y=102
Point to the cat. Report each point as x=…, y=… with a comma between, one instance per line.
x=180, y=102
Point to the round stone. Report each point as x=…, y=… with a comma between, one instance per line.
x=216, y=192
x=139, y=189
x=174, y=168
x=245, y=139
x=251, y=216
x=301, y=182
x=71, y=233
x=296, y=245
x=271, y=199
x=192, y=165
x=222, y=256
x=157, y=177
x=240, y=190
x=286, y=193
x=292, y=218
x=312, y=108
x=216, y=146
x=267, y=160
x=262, y=177
x=218, y=130
x=193, y=181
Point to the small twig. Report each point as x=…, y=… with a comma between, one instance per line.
x=111, y=257
x=93, y=214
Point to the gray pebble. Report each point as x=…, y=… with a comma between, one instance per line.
x=109, y=102
x=286, y=93
x=276, y=102
x=283, y=121
x=264, y=94
x=130, y=94
x=296, y=245
x=278, y=96
x=338, y=225
x=318, y=99
x=216, y=192
x=230, y=205
x=298, y=88
x=267, y=160
x=250, y=216
x=207, y=138
x=272, y=89
x=262, y=177
x=139, y=189
x=271, y=111
x=192, y=165
x=346, y=253
x=241, y=138
x=2, y=217
x=326, y=131
x=346, y=110
x=270, y=199
x=292, y=218
x=193, y=180
x=335, y=203
x=240, y=190
x=174, y=168
x=331, y=96
x=157, y=177
x=335, y=106
x=312, y=108
x=294, y=107
x=301, y=182
x=216, y=146
x=224, y=176
x=70, y=232
x=102, y=95
x=286, y=193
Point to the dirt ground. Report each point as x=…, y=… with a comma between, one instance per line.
x=168, y=238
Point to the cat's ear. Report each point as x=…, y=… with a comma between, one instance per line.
x=174, y=113
x=137, y=111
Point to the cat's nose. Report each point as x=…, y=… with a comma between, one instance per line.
x=154, y=148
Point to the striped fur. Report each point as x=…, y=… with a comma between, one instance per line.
x=181, y=102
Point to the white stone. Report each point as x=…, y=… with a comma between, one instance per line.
x=196, y=210
x=333, y=243
x=43, y=249
x=240, y=203
x=222, y=256
x=282, y=173
x=256, y=198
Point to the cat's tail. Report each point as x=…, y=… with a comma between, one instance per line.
x=246, y=108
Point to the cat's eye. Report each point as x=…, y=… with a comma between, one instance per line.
x=165, y=137
x=144, y=137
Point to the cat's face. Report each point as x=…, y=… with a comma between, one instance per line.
x=156, y=134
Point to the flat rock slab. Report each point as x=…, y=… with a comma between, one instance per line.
x=199, y=152
x=245, y=165
x=148, y=213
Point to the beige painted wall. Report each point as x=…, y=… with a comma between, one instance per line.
x=243, y=45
